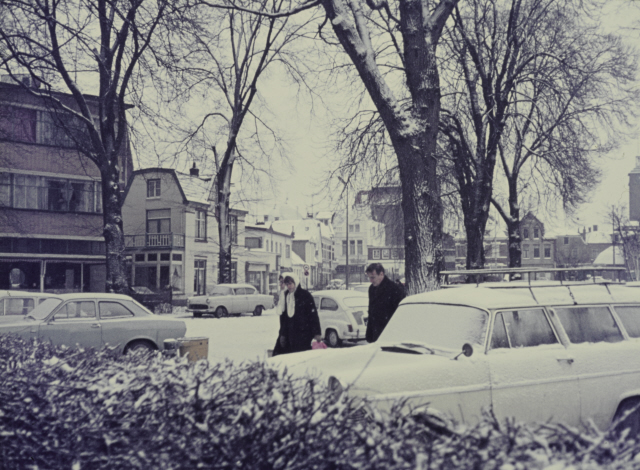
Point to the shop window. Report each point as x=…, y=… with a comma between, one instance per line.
x=176, y=257
x=152, y=257
x=139, y=257
x=376, y=254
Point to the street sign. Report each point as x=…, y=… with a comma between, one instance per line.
x=306, y=267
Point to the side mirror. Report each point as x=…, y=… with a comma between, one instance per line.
x=467, y=350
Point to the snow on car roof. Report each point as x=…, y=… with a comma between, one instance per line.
x=24, y=293
x=233, y=285
x=91, y=295
x=339, y=294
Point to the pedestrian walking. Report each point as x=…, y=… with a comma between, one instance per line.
x=277, y=349
x=299, y=322
x=384, y=297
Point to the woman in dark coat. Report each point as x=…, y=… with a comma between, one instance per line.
x=299, y=322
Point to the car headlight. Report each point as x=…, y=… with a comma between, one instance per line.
x=335, y=389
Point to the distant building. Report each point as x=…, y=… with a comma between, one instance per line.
x=267, y=255
x=634, y=192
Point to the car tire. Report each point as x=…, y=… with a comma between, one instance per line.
x=632, y=421
x=332, y=339
x=221, y=312
x=258, y=310
x=197, y=314
x=139, y=345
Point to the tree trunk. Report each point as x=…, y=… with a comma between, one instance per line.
x=513, y=229
x=222, y=208
x=116, y=281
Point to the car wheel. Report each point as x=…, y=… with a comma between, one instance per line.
x=139, y=345
x=258, y=310
x=332, y=339
x=221, y=312
x=631, y=408
x=197, y=314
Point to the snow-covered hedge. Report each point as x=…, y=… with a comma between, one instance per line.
x=76, y=409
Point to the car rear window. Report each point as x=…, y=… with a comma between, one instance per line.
x=444, y=326
x=109, y=310
x=630, y=317
x=589, y=324
x=521, y=328
x=328, y=304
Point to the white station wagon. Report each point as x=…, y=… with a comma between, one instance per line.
x=545, y=351
x=230, y=299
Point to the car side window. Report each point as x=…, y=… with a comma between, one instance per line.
x=76, y=310
x=522, y=328
x=630, y=317
x=249, y=291
x=109, y=310
x=589, y=324
x=19, y=306
x=328, y=304
x=239, y=291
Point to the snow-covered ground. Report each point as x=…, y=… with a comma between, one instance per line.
x=237, y=338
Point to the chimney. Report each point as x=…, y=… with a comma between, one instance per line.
x=194, y=171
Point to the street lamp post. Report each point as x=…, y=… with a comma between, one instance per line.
x=346, y=226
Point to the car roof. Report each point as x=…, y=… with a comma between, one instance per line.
x=340, y=294
x=24, y=293
x=488, y=298
x=234, y=285
x=91, y=295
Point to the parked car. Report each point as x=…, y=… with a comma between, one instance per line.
x=343, y=315
x=359, y=286
x=567, y=353
x=157, y=302
x=230, y=299
x=336, y=284
x=16, y=302
x=93, y=320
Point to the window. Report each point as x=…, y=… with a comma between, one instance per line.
x=547, y=251
x=521, y=328
x=201, y=225
x=357, y=227
x=17, y=306
x=566, y=240
x=350, y=228
x=376, y=254
x=536, y=251
x=233, y=228
x=253, y=242
x=360, y=247
x=234, y=271
x=630, y=317
x=199, y=278
x=536, y=232
x=288, y=249
x=159, y=221
x=153, y=188
x=111, y=310
x=18, y=123
x=525, y=251
x=344, y=247
x=75, y=310
x=328, y=304
x=176, y=256
x=139, y=257
x=385, y=254
x=165, y=257
x=152, y=257
x=352, y=247
x=589, y=324
x=525, y=233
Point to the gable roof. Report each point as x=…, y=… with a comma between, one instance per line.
x=192, y=188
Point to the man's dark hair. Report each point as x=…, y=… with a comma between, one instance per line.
x=377, y=267
x=289, y=279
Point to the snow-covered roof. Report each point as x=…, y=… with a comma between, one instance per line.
x=598, y=237
x=606, y=257
x=195, y=189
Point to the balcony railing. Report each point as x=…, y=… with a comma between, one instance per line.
x=171, y=240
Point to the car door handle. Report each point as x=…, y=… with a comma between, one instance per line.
x=95, y=325
x=568, y=360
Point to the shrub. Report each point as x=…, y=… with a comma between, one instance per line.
x=74, y=408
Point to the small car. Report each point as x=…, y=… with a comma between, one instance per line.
x=157, y=302
x=16, y=302
x=230, y=299
x=93, y=320
x=543, y=351
x=343, y=315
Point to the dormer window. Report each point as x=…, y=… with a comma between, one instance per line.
x=536, y=232
x=153, y=188
x=525, y=233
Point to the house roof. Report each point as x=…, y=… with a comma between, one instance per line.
x=195, y=189
x=606, y=257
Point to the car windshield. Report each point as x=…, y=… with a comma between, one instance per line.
x=442, y=326
x=221, y=290
x=357, y=302
x=41, y=311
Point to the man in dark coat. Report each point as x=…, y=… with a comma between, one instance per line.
x=384, y=297
x=299, y=321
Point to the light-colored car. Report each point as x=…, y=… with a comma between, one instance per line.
x=359, y=286
x=230, y=299
x=567, y=353
x=93, y=320
x=336, y=284
x=343, y=315
x=17, y=302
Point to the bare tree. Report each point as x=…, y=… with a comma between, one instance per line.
x=541, y=91
x=55, y=42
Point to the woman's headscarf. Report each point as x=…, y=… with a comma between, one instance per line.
x=290, y=298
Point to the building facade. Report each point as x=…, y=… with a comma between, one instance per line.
x=51, y=222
